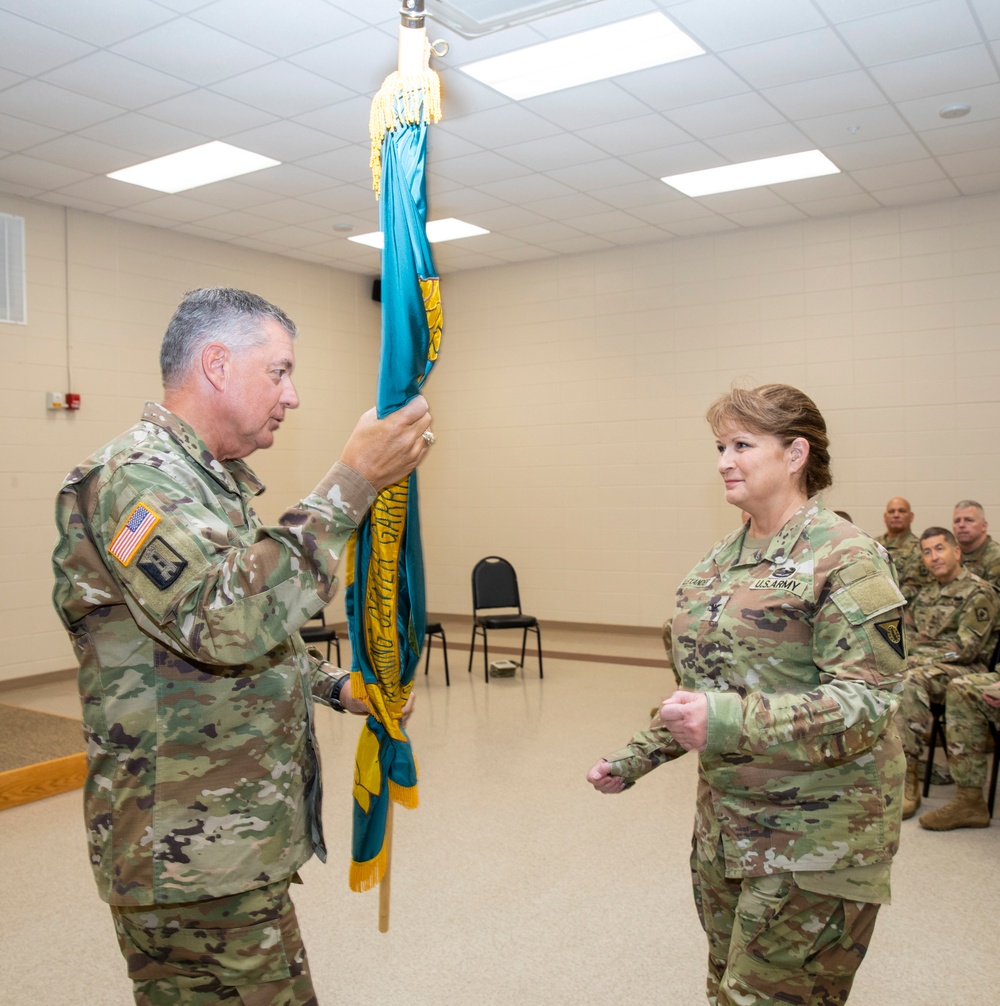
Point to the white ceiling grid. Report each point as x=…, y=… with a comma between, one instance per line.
x=92, y=86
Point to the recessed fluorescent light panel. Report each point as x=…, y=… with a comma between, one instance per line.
x=473, y=18
x=598, y=54
x=750, y=174
x=187, y=169
x=448, y=229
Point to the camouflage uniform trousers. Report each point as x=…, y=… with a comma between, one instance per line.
x=245, y=949
x=770, y=942
x=924, y=684
x=969, y=737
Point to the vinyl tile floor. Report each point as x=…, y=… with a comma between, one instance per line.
x=513, y=882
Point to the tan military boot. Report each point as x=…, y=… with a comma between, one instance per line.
x=967, y=810
x=911, y=791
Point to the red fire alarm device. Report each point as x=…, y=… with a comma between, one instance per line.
x=72, y=401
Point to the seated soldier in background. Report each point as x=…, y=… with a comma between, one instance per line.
x=949, y=629
x=980, y=553
x=903, y=546
x=973, y=702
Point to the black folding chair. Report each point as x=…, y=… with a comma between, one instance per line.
x=494, y=586
x=436, y=629
x=321, y=633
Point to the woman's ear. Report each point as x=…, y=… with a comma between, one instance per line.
x=798, y=454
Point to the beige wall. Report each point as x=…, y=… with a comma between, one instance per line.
x=568, y=400
x=121, y=282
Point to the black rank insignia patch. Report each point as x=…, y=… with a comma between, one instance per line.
x=892, y=633
x=161, y=563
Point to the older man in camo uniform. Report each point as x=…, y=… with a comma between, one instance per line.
x=904, y=547
x=202, y=796
x=980, y=553
x=949, y=632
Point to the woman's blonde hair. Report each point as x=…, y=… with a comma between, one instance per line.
x=781, y=411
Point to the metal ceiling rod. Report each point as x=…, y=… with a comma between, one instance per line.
x=412, y=14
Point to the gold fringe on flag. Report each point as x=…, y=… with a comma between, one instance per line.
x=400, y=101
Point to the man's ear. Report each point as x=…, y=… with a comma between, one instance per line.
x=215, y=365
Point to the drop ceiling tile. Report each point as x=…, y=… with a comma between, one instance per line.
x=53, y=106
x=629, y=136
x=116, y=20
x=716, y=118
x=74, y=151
x=978, y=162
x=505, y=217
x=855, y=125
x=577, y=244
x=988, y=13
x=898, y=34
x=913, y=194
x=170, y=210
x=344, y=199
x=40, y=175
x=478, y=169
x=565, y=208
x=365, y=56
x=634, y=195
x=209, y=113
x=100, y=76
x=607, y=221
x=597, y=174
x=552, y=152
x=859, y=202
x=286, y=180
x=769, y=217
x=924, y=113
x=676, y=85
x=956, y=138
x=768, y=141
x=526, y=189
x=791, y=59
x=850, y=10
x=100, y=189
x=827, y=96
x=280, y=29
x=74, y=202
x=147, y=137
x=872, y=153
x=721, y=24
x=8, y=78
x=194, y=52
x=594, y=104
x=895, y=176
x=282, y=89
x=971, y=185
x=346, y=119
x=727, y=203
x=968, y=67
x=344, y=164
x=499, y=127
x=31, y=48
x=17, y=134
x=673, y=160
x=285, y=140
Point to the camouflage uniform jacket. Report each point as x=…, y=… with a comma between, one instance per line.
x=800, y=654
x=197, y=690
x=906, y=556
x=953, y=623
x=985, y=562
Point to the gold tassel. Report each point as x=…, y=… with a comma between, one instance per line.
x=405, y=796
x=401, y=101
x=365, y=876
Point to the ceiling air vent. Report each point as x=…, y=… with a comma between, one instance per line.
x=12, y=279
x=472, y=18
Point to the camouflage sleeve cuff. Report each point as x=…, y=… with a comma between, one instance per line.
x=348, y=491
x=725, y=722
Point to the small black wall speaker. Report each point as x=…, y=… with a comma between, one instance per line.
x=377, y=291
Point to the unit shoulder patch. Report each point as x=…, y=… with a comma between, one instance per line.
x=161, y=563
x=891, y=630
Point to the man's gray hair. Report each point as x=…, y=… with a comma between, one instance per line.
x=216, y=314
x=965, y=504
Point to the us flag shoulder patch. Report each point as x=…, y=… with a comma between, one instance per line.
x=136, y=529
